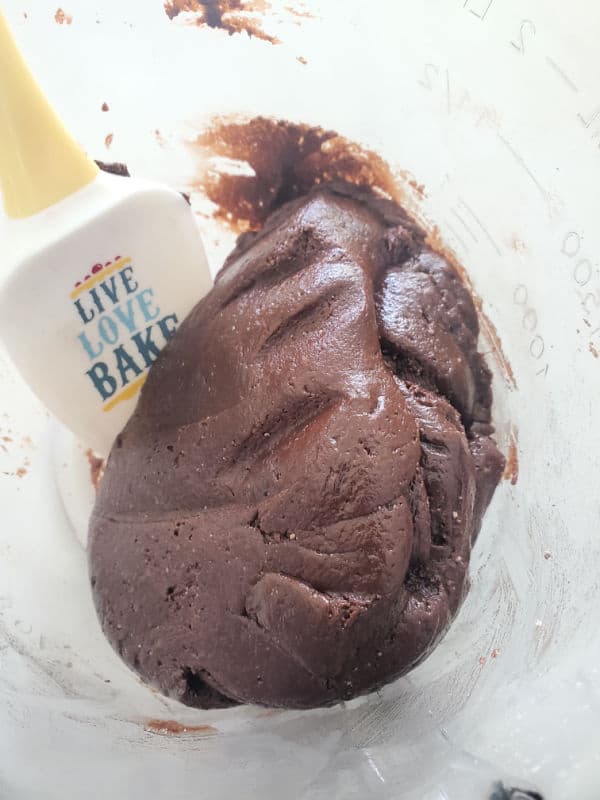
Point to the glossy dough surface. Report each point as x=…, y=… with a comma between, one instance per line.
x=288, y=517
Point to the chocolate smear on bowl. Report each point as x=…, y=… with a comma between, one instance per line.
x=286, y=160
x=233, y=16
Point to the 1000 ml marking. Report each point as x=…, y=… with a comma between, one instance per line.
x=585, y=274
x=529, y=321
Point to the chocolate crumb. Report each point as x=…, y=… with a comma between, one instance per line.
x=60, y=17
x=115, y=168
x=170, y=726
x=511, y=471
x=97, y=466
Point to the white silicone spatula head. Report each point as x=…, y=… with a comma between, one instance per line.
x=96, y=271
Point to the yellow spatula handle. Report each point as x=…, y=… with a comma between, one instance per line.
x=40, y=163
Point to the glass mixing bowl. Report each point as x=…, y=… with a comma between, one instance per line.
x=494, y=111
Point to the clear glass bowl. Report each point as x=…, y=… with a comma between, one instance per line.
x=481, y=106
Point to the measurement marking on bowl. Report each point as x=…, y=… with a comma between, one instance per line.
x=457, y=236
x=464, y=224
x=482, y=227
x=527, y=32
x=590, y=118
x=437, y=79
x=525, y=166
x=591, y=122
x=440, y=82
x=560, y=71
x=529, y=321
x=479, y=8
x=527, y=29
x=583, y=271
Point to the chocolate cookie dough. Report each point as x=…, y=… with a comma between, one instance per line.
x=287, y=519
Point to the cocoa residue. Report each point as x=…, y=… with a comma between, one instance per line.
x=418, y=188
x=175, y=7
x=8, y=443
x=297, y=12
x=115, y=168
x=61, y=18
x=286, y=160
x=105, y=107
x=171, y=727
x=108, y=140
x=511, y=471
x=233, y=16
x=97, y=466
